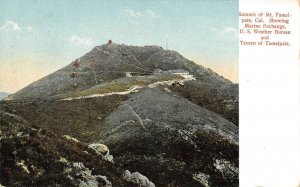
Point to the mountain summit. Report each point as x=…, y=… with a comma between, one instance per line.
x=112, y=61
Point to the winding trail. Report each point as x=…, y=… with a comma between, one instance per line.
x=135, y=88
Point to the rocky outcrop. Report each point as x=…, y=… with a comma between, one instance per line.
x=138, y=179
x=83, y=176
x=102, y=150
x=202, y=178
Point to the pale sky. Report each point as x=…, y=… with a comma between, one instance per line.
x=38, y=37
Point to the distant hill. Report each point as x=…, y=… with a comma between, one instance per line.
x=3, y=95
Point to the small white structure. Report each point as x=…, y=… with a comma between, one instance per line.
x=179, y=72
x=174, y=71
x=158, y=71
x=128, y=74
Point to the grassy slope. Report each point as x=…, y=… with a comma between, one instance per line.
x=123, y=84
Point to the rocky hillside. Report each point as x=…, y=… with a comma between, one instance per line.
x=122, y=116
x=222, y=99
x=33, y=156
x=156, y=133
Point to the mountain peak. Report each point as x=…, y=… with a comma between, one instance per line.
x=111, y=61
